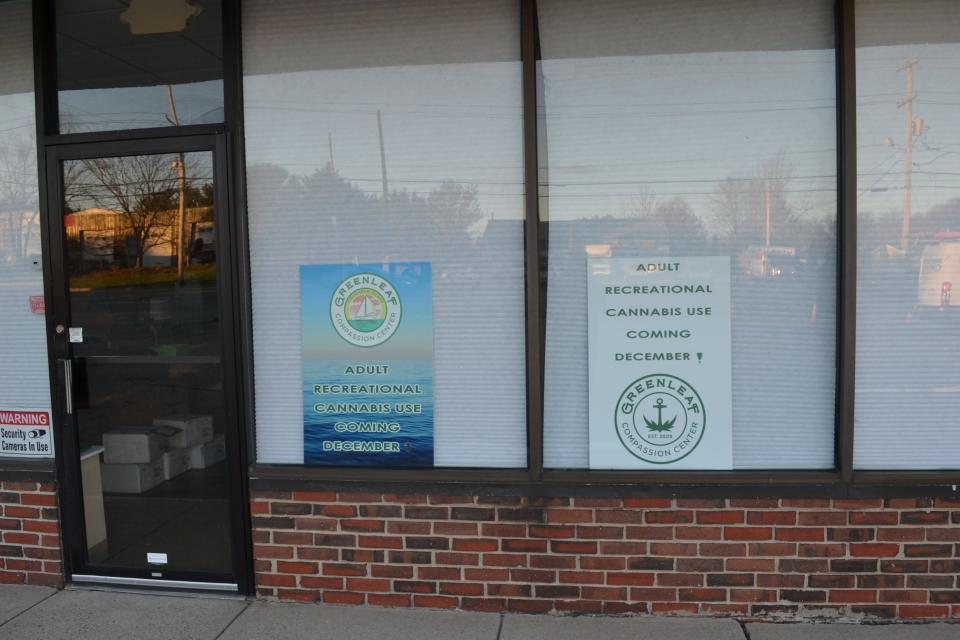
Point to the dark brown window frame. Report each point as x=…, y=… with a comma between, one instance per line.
x=842, y=481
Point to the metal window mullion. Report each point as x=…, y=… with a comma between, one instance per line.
x=846, y=234
x=534, y=302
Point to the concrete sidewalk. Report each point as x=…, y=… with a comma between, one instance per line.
x=28, y=613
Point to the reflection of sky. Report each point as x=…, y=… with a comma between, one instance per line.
x=138, y=107
x=936, y=153
x=616, y=127
x=675, y=126
x=458, y=122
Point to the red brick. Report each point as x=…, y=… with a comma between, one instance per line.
x=563, y=546
x=791, y=534
x=569, y=515
x=648, y=503
x=923, y=611
x=388, y=599
x=343, y=597
x=479, y=544
x=822, y=518
x=435, y=602
x=874, y=517
x=702, y=595
x=853, y=595
x=367, y=584
x=635, y=579
x=772, y=517
x=297, y=567
x=669, y=517
x=698, y=533
x=747, y=533
x=313, y=496
x=874, y=550
x=719, y=517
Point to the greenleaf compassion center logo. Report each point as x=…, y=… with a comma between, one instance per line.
x=365, y=309
x=660, y=418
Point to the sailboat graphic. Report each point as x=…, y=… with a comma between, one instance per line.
x=365, y=307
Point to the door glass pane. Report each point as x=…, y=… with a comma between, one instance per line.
x=129, y=65
x=141, y=270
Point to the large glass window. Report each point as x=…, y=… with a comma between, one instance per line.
x=23, y=378
x=908, y=235
x=383, y=134
x=129, y=65
x=697, y=129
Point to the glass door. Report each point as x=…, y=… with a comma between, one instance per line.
x=139, y=342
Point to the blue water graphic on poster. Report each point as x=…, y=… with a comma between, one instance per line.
x=367, y=334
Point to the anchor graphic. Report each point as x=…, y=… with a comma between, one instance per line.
x=660, y=425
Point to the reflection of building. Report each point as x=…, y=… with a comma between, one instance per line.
x=104, y=235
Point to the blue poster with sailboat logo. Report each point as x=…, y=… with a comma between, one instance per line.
x=367, y=333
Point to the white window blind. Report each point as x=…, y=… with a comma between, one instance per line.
x=691, y=129
x=379, y=131
x=24, y=379
x=907, y=411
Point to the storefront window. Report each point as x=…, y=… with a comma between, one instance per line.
x=23, y=378
x=669, y=143
x=130, y=65
x=384, y=173
x=908, y=233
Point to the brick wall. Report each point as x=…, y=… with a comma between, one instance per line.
x=29, y=534
x=876, y=559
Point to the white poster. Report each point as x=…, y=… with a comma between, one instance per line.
x=659, y=351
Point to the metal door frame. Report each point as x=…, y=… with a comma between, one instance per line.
x=58, y=348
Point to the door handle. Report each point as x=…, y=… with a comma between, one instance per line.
x=67, y=365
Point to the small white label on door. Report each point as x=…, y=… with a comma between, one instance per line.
x=76, y=334
x=156, y=558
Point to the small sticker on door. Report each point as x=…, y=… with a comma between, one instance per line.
x=76, y=334
x=156, y=558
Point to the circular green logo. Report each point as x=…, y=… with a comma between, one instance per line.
x=660, y=418
x=365, y=309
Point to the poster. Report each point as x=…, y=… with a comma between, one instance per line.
x=25, y=434
x=659, y=363
x=367, y=335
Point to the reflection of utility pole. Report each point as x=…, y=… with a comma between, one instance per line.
x=911, y=133
x=330, y=147
x=769, y=212
x=383, y=156
x=182, y=206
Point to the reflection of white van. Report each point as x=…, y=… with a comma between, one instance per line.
x=770, y=262
x=939, y=272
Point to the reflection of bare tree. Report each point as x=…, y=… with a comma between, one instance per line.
x=752, y=208
x=144, y=190
x=18, y=197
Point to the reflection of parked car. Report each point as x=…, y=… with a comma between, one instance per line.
x=770, y=262
x=939, y=271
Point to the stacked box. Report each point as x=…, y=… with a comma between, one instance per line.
x=209, y=453
x=191, y=429
x=132, y=477
x=133, y=445
x=175, y=462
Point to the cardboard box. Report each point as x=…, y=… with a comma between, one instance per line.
x=208, y=454
x=131, y=478
x=192, y=429
x=132, y=445
x=175, y=462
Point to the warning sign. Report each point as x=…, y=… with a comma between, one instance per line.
x=25, y=434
